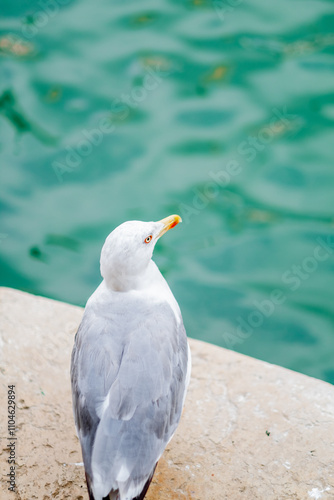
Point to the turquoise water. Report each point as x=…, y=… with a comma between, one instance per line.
x=220, y=111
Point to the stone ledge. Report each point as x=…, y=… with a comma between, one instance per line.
x=250, y=430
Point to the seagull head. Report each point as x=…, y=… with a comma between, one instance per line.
x=127, y=252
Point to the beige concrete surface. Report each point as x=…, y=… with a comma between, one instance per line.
x=249, y=430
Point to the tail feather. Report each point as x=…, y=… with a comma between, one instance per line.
x=147, y=484
x=88, y=482
x=114, y=495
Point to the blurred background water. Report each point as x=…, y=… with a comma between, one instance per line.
x=221, y=111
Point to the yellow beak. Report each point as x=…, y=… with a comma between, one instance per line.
x=168, y=223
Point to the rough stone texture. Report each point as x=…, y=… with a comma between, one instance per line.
x=249, y=430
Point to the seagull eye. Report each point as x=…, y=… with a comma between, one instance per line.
x=148, y=239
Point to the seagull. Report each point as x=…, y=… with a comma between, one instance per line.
x=130, y=366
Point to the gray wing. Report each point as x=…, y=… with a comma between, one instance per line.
x=128, y=384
